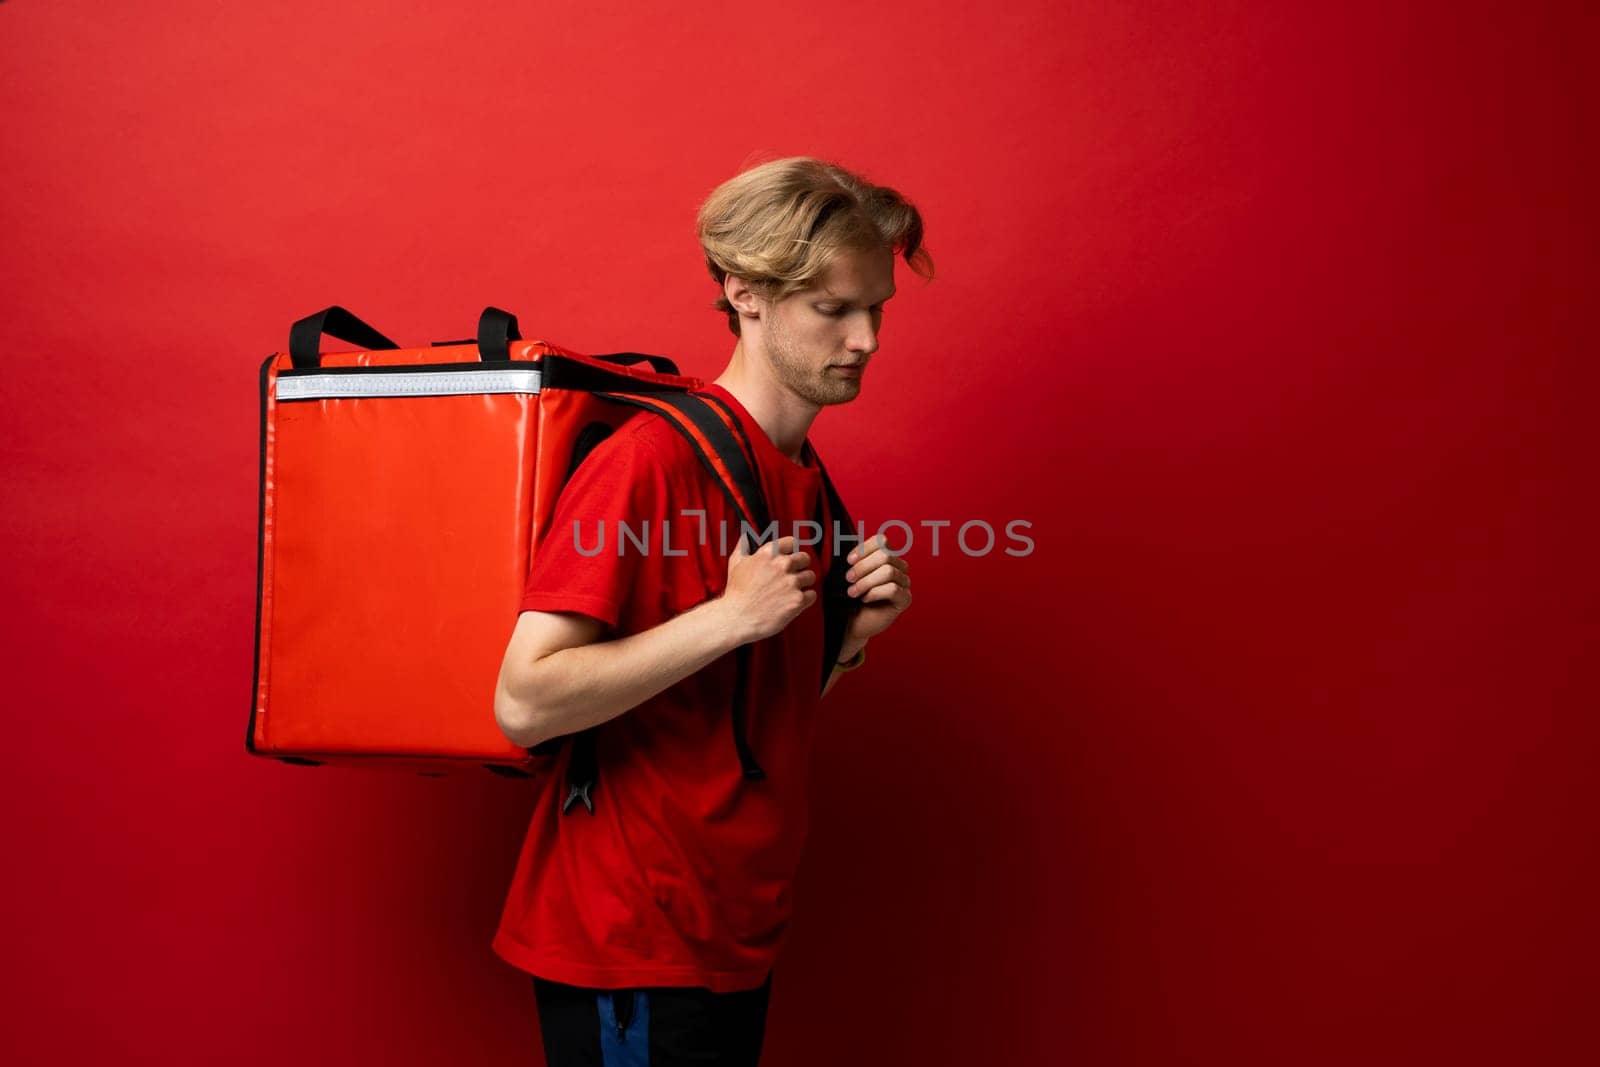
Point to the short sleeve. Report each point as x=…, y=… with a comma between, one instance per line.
x=587, y=562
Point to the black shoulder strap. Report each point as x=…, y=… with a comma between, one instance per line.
x=732, y=465
x=838, y=606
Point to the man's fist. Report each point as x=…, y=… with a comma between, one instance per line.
x=768, y=588
x=881, y=580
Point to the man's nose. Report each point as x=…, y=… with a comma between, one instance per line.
x=863, y=339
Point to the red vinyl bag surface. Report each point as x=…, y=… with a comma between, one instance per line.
x=403, y=492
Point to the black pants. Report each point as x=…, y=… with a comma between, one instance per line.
x=652, y=1027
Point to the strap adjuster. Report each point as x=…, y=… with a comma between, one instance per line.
x=579, y=791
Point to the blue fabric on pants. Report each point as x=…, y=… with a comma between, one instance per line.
x=662, y=1026
x=627, y=1045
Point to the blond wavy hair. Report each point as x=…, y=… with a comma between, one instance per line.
x=778, y=224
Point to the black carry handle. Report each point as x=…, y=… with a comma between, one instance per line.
x=497, y=328
x=659, y=364
x=305, y=336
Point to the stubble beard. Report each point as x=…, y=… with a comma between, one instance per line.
x=806, y=380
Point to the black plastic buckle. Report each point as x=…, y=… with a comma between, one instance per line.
x=579, y=791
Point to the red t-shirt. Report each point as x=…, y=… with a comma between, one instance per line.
x=682, y=874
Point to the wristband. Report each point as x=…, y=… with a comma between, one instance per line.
x=854, y=661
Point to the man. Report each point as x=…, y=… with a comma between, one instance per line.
x=651, y=922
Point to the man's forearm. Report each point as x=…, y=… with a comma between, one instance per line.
x=584, y=686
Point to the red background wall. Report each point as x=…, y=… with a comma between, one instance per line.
x=1268, y=317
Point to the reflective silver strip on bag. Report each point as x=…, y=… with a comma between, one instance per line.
x=408, y=383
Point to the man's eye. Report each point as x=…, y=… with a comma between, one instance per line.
x=831, y=310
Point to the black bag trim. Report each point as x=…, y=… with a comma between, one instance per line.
x=413, y=368
x=261, y=558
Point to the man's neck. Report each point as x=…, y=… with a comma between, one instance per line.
x=785, y=417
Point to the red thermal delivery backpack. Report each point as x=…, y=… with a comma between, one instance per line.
x=404, y=492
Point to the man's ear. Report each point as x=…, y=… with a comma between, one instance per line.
x=741, y=296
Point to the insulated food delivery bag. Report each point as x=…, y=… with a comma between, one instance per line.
x=403, y=493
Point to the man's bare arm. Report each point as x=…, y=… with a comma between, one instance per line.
x=558, y=677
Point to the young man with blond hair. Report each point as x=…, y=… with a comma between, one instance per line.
x=652, y=921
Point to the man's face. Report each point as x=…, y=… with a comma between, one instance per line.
x=819, y=339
